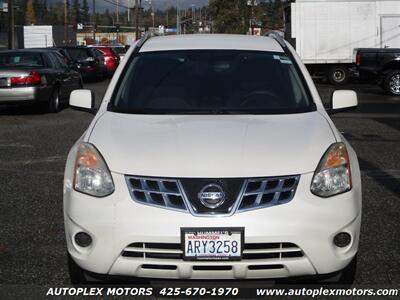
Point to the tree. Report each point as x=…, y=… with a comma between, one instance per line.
x=229, y=16
x=30, y=13
x=85, y=12
x=107, y=18
x=76, y=12
x=45, y=15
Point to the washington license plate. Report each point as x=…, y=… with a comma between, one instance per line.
x=212, y=243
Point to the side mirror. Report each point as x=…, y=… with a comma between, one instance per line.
x=343, y=100
x=82, y=100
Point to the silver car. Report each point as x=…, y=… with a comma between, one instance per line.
x=36, y=76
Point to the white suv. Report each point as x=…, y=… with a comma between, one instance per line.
x=212, y=157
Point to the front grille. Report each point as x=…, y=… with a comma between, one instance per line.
x=157, y=192
x=240, y=194
x=252, y=251
x=266, y=192
x=231, y=187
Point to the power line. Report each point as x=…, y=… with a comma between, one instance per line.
x=116, y=4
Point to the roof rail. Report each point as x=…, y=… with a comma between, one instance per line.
x=277, y=37
x=143, y=40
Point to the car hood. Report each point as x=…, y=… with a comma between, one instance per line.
x=212, y=145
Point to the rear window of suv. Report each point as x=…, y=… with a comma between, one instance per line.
x=211, y=82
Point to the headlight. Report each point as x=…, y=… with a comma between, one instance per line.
x=332, y=175
x=92, y=175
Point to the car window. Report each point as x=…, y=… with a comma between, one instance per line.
x=54, y=61
x=119, y=50
x=98, y=53
x=78, y=53
x=21, y=59
x=61, y=60
x=218, y=81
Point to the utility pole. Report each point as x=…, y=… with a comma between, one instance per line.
x=129, y=11
x=65, y=21
x=11, y=43
x=153, y=15
x=94, y=20
x=117, y=11
x=178, y=29
x=137, y=33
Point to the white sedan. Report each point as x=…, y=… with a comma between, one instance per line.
x=212, y=157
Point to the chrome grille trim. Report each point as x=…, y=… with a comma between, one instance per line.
x=160, y=192
x=255, y=193
x=267, y=192
x=251, y=251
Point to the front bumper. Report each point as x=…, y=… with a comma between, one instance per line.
x=307, y=221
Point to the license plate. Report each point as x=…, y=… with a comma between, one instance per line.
x=212, y=243
x=3, y=82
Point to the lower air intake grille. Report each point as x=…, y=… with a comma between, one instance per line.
x=252, y=251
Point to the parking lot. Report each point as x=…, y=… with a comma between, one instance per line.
x=34, y=147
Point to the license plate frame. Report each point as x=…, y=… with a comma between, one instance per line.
x=212, y=230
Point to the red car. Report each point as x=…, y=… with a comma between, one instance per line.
x=111, y=59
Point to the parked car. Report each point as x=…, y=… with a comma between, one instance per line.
x=37, y=76
x=111, y=58
x=90, y=62
x=212, y=156
x=380, y=65
x=120, y=50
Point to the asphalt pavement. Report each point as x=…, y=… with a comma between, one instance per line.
x=34, y=147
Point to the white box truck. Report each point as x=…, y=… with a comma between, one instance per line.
x=38, y=36
x=326, y=33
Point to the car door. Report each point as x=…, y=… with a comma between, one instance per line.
x=72, y=78
x=60, y=76
x=63, y=75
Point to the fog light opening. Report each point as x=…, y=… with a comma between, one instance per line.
x=342, y=239
x=83, y=239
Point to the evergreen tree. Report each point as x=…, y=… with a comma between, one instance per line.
x=45, y=15
x=30, y=13
x=107, y=18
x=76, y=12
x=229, y=16
x=85, y=12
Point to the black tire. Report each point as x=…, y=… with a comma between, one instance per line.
x=54, y=103
x=391, y=82
x=76, y=273
x=348, y=274
x=338, y=75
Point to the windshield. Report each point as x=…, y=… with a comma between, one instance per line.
x=210, y=82
x=21, y=59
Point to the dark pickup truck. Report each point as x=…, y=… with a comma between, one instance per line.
x=380, y=65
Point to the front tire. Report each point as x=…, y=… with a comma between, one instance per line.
x=391, y=83
x=76, y=273
x=338, y=75
x=348, y=274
